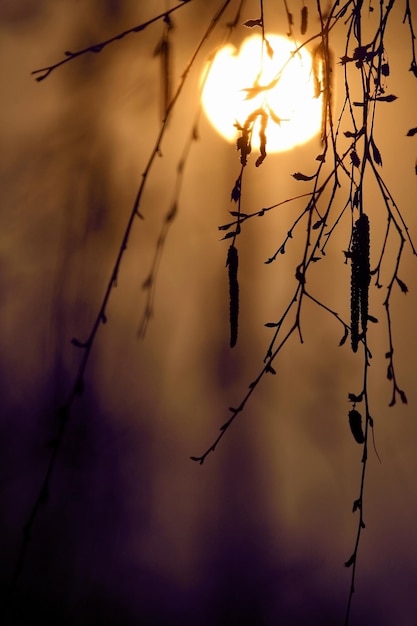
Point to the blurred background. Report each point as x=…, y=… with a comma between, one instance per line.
x=134, y=532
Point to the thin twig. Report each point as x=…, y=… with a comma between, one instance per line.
x=44, y=72
x=86, y=346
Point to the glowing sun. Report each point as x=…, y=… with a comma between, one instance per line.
x=272, y=78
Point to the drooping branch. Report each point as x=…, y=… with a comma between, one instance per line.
x=77, y=388
x=44, y=72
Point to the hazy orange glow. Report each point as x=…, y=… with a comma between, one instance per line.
x=132, y=531
x=238, y=83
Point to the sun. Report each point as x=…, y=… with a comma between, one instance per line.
x=275, y=77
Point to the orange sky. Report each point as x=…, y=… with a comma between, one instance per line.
x=133, y=530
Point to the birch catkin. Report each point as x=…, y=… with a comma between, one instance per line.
x=362, y=227
x=360, y=278
x=355, y=423
x=232, y=265
x=304, y=19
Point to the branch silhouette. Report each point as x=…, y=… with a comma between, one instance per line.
x=86, y=346
x=44, y=72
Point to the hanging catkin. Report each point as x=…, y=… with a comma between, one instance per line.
x=304, y=19
x=232, y=265
x=323, y=66
x=164, y=51
x=360, y=278
x=355, y=423
x=362, y=227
